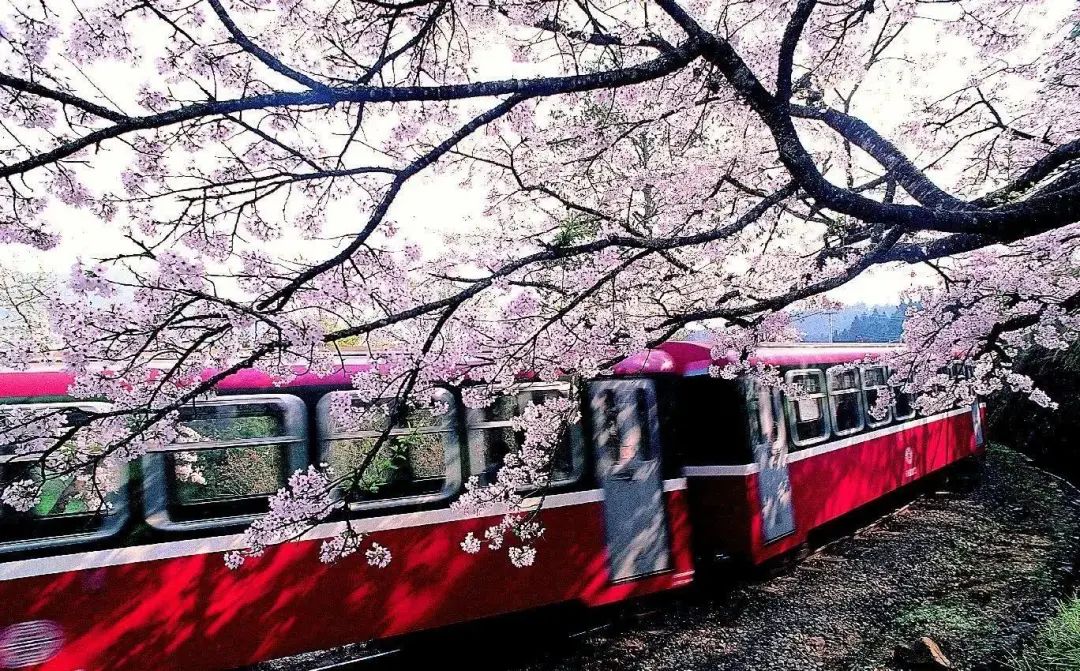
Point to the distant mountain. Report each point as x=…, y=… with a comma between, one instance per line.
x=854, y=323
x=851, y=323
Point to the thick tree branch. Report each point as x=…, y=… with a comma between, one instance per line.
x=859, y=133
x=1037, y=214
x=18, y=84
x=541, y=86
x=1070, y=151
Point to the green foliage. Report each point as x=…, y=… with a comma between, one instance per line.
x=402, y=460
x=235, y=472
x=390, y=465
x=854, y=323
x=879, y=325
x=577, y=228
x=1057, y=646
x=235, y=428
x=57, y=497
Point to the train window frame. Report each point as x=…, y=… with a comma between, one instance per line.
x=475, y=444
x=789, y=408
x=605, y=423
x=606, y=452
x=157, y=481
x=453, y=479
x=871, y=421
x=856, y=391
x=898, y=389
x=111, y=522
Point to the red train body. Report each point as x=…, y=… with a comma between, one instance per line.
x=154, y=592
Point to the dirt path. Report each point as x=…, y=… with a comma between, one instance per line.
x=976, y=572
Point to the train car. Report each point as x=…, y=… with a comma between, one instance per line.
x=667, y=459
x=765, y=470
x=145, y=586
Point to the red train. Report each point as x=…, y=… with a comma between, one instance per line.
x=671, y=464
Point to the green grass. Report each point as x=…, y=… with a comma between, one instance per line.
x=1057, y=645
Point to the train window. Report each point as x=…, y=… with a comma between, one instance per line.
x=230, y=454
x=234, y=472
x=414, y=461
x=874, y=379
x=845, y=400
x=71, y=506
x=610, y=428
x=491, y=433
x=647, y=450
x=903, y=406
x=808, y=414
x=760, y=416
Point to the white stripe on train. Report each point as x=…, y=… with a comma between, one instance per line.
x=825, y=448
x=173, y=549
x=217, y=544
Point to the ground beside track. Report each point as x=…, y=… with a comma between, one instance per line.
x=978, y=571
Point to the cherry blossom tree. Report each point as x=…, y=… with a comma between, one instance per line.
x=646, y=166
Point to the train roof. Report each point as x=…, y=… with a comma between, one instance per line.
x=682, y=358
x=677, y=358
x=53, y=381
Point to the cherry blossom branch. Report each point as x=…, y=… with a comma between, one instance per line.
x=563, y=253
x=1050, y=210
x=541, y=86
x=268, y=59
x=18, y=84
x=899, y=167
x=283, y=295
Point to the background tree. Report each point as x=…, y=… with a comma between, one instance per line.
x=720, y=160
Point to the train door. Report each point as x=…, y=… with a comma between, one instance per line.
x=768, y=438
x=976, y=423
x=626, y=437
x=966, y=372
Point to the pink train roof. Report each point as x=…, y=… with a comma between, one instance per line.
x=694, y=358
x=55, y=382
x=671, y=358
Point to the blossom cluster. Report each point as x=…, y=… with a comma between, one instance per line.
x=523, y=472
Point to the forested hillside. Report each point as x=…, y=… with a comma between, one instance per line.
x=854, y=323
